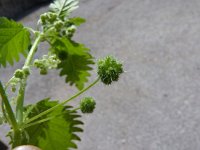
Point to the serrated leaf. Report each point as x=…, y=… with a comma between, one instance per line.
x=63, y=7
x=57, y=133
x=69, y=46
x=14, y=40
x=76, y=69
x=77, y=62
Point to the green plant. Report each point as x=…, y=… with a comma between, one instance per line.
x=49, y=124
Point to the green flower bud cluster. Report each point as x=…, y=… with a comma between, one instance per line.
x=22, y=73
x=59, y=25
x=71, y=30
x=48, y=21
x=56, y=25
x=109, y=69
x=19, y=75
x=67, y=30
x=49, y=61
x=13, y=83
x=87, y=105
x=48, y=18
x=26, y=70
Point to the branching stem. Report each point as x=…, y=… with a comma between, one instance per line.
x=33, y=50
x=47, y=119
x=62, y=103
x=20, y=98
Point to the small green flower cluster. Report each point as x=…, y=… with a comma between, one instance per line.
x=13, y=83
x=22, y=73
x=49, y=61
x=18, y=77
x=109, y=69
x=54, y=24
x=48, y=18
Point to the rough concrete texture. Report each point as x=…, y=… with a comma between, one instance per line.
x=155, y=105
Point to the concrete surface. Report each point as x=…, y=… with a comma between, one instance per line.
x=156, y=103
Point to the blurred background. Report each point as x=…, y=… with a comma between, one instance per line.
x=19, y=8
x=156, y=103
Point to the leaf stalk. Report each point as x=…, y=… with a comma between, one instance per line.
x=8, y=107
x=62, y=103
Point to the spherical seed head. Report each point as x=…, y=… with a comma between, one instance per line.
x=109, y=69
x=87, y=105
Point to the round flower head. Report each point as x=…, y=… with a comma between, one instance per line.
x=19, y=74
x=87, y=105
x=109, y=69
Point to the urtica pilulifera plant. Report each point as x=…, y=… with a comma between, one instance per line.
x=87, y=105
x=49, y=123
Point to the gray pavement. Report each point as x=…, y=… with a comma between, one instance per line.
x=156, y=103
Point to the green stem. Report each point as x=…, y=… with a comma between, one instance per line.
x=20, y=98
x=38, y=122
x=4, y=112
x=19, y=106
x=8, y=107
x=33, y=50
x=9, y=115
x=8, y=83
x=17, y=138
x=47, y=119
x=30, y=29
x=62, y=103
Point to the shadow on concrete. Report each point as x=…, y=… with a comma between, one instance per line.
x=3, y=146
x=17, y=9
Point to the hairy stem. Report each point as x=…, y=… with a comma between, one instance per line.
x=8, y=107
x=4, y=112
x=8, y=83
x=33, y=50
x=19, y=106
x=62, y=103
x=20, y=98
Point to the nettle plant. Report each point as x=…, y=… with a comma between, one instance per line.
x=49, y=124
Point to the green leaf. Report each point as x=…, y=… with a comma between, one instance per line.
x=76, y=69
x=58, y=133
x=63, y=7
x=14, y=40
x=77, y=21
x=75, y=61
